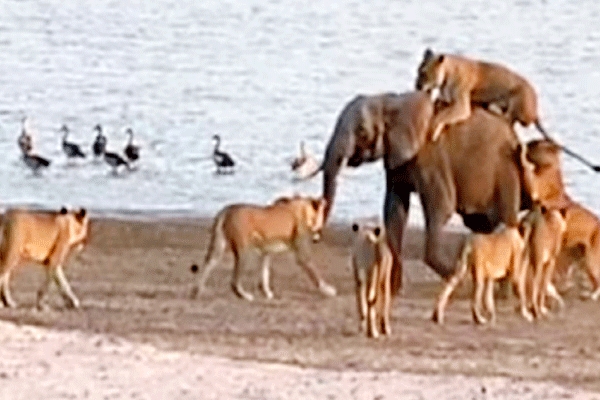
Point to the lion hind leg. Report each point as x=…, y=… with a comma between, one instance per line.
x=266, y=277
x=241, y=261
x=552, y=292
x=5, y=295
x=459, y=275
x=489, y=300
x=43, y=290
x=458, y=111
x=480, y=283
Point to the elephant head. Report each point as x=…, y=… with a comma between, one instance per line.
x=389, y=126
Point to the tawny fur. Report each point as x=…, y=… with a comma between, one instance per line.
x=463, y=82
x=43, y=237
x=546, y=228
x=289, y=224
x=581, y=247
x=372, y=266
x=489, y=257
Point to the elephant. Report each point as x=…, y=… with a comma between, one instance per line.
x=474, y=168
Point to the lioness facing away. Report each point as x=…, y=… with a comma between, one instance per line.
x=462, y=82
x=44, y=237
x=372, y=265
x=289, y=224
x=488, y=257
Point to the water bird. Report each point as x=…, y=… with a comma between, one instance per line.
x=72, y=150
x=115, y=161
x=99, y=145
x=132, y=151
x=223, y=161
x=305, y=164
x=35, y=162
x=25, y=141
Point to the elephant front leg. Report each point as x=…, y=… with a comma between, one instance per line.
x=395, y=215
x=438, y=262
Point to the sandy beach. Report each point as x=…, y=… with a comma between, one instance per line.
x=139, y=335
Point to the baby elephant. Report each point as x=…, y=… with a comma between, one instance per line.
x=372, y=265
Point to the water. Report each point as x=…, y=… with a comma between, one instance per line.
x=264, y=75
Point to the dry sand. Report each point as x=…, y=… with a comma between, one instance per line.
x=138, y=334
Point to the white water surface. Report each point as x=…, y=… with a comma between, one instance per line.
x=264, y=75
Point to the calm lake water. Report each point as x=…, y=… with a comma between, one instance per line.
x=263, y=75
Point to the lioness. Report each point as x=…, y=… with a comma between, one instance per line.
x=462, y=81
x=581, y=246
x=289, y=224
x=489, y=257
x=43, y=237
x=547, y=228
x=372, y=265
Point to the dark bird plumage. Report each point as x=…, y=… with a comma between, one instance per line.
x=115, y=161
x=25, y=141
x=222, y=160
x=35, y=162
x=132, y=152
x=72, y=150
x=99, y=145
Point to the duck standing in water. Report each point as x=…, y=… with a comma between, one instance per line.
x=72, y=150
x=305, y=164
x=99, y=145
x=132, y=151
x=35, y=162
x=115, y=161
x=222, y=160
x=25, y=141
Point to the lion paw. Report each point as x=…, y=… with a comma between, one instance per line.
x=327, y=289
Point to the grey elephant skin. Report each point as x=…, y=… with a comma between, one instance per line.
x=472, y=169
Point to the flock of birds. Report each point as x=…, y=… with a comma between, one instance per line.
x=302, y=165
x=35, y=162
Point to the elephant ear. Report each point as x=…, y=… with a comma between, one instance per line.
x=409, y=118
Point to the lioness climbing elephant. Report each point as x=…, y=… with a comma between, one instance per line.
x=475, y=168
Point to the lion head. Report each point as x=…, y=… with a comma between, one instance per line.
x=78, y=225
x=430, y=72
x=372, y=232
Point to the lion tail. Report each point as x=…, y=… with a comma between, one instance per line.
x=216, y=249
x=218, y=242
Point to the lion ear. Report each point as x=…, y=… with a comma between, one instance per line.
x=315, y=204
x=82, y=213
x=63, y=210
x=440, y=59
x=428, y=54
